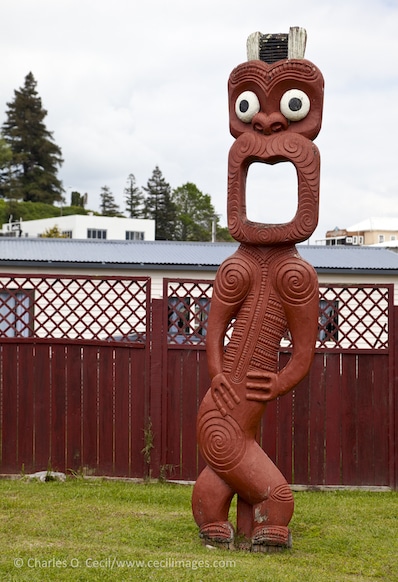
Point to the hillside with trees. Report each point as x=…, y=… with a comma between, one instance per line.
x=34, y=210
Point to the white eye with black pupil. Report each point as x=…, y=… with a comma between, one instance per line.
x=246, y=106
x=295, y=105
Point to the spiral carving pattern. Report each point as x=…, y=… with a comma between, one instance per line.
x=307, y=217
x=233, y=280
x=295, y=282
x=222, y=441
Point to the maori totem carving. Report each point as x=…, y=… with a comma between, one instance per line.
x=265, y=289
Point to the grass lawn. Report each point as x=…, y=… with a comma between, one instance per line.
x=112, y=530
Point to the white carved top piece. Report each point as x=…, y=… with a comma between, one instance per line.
x=297, y=40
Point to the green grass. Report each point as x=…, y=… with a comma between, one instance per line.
x=84, y=529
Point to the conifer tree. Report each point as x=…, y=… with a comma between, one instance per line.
x=134, y=199
x=35, y=156
x=108, y=205
x=159, y=206
x=5, y=161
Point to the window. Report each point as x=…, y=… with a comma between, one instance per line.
x=381, y=238
x=15, y=313
x=67, y=233
x=328, y=320
x=134, y=235
x=96, y=233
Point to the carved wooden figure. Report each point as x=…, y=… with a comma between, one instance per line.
x=265, y=288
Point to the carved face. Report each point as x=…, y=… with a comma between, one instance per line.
x=285, y=96
x=274, y=110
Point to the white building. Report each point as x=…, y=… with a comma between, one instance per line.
x=82, y=226
x=372, y=231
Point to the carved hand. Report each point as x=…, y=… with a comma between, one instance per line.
x=262, y=386
x=223, y=394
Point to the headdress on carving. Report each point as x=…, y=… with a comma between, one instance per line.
x=275, y=47
x=275, y=108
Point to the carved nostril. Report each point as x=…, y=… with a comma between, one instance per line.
x=269, y=124
x=275, y=127
x=259, y=127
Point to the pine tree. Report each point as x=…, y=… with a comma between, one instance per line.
x=159, y=206
x=35, y=156
x=134, y=199
x=108, y=205
x=5, y=161
x=5, y=154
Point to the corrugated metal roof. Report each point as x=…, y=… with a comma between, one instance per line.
x=113, y=252
x=350, y=258
x=155, y=254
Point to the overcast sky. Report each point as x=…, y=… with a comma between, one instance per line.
x=130, y=85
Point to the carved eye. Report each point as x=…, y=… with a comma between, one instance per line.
x=295, y=105
x=246, y=106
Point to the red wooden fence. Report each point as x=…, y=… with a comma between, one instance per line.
x=109, y=382
x=63, y=407
x=336, y=428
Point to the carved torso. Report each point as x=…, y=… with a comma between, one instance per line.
x=261, y=322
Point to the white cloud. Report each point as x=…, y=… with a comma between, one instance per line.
x=130, y=86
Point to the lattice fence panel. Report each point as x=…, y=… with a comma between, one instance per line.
x=355, y=317
x=188, y=307
x=350, y=317
x=76, y=308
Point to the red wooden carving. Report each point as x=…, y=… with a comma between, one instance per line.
x=265, y=287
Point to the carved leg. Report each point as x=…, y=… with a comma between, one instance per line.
x=265, y=499
x=271, y=518
x=259, y=527
x=244, y=524
x=211, y=500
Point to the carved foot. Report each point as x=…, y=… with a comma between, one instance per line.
x=271, y=539
x=219, y=534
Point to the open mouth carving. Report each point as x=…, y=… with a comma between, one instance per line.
x=271, y=192
x=252, y=147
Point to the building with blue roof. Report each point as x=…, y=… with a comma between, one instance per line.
x=191, y=260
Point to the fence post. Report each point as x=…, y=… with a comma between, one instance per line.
x=394, y=398
x=156, y=411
